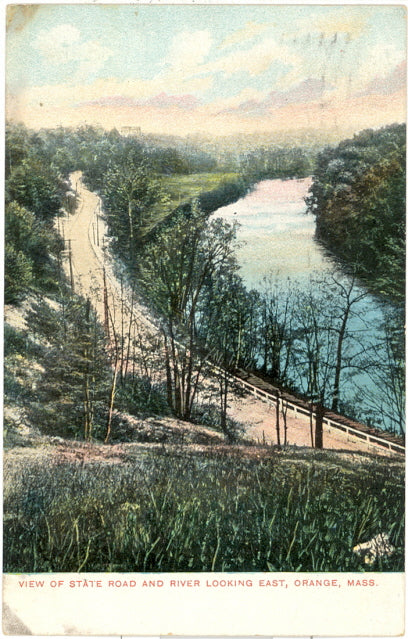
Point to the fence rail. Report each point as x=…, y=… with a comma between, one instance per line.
x=272, y=397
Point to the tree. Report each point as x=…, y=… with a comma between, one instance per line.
x=384, y=365
x=227, y=333
x=276, y=329
x=131, y=192
x=313, y=354
x=345, y=297
x=73, y=394
x=36, y=187
x=18, y=275
x=30, y=246
x=176, y=269
x=358, y=198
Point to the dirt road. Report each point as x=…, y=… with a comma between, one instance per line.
x=86, y=238
x=85, y=235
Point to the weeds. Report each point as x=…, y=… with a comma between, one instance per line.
x=162, y=512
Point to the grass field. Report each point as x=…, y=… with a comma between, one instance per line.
x=177, y=509
x=182, y=188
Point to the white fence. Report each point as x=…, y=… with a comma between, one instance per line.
x=329, y=422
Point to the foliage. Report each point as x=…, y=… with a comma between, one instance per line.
x=18, y=275
x=72, y=395
x=138, y=395
x=180, y=161
x=36, y=187
x=176, y=270
x=271, y=162
x=30, y=243
x=131, y=194
x=166, y=512
x=34, y=195
x=358, y=198
x=387, y=373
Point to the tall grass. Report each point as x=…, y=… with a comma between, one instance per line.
x=178, y=512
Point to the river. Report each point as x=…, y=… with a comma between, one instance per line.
x=276, y=240
x=276, y=234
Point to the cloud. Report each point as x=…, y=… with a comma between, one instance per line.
x=61, y=45
x=188, y=50
x=388, y=84
x=248, y=32
x=164, y=101
x=110, y=92
x=380, y=60
x=305, y=92
x=160, y=101
x=345, y=116
x=58, y=43
x=229, y=103
x=349, y=21
x=254, y=60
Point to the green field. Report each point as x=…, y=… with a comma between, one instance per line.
x=182, y=188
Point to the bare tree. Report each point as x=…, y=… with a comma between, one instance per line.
x=176, y=270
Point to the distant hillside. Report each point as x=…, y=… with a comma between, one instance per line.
x=358, y=198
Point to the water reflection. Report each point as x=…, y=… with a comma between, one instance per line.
x=275, y=232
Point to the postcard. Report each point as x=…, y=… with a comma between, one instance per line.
x=204, y=361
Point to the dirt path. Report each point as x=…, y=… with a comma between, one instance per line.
x=85, y=233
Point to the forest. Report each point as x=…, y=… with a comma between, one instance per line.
x=76, y=378
x=358, y=198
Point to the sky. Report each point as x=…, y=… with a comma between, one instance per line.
x=206, y=68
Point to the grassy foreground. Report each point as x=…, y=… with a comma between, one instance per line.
x=179, y=509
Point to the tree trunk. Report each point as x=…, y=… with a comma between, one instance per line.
x=285, y=423
x=278, y=439
x=311, y=425
x=169, y=382
x=130, y=222
x=336, y=385
x=319, y=425
x=224, y=402
x=111, y=403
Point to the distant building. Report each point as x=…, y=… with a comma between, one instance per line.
x=130, y=130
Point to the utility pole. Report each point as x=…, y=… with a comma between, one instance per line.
x=71, y=272
x=97, y=227
x=105, y=305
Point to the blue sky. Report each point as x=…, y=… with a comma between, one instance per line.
x=210, y=68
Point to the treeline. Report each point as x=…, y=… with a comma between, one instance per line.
x=277, y=162
x=358, y=198
x=126, y=171
x=34, y=194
